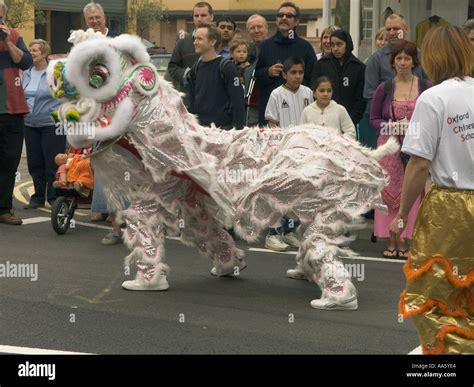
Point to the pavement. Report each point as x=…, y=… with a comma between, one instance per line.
x=76, y=303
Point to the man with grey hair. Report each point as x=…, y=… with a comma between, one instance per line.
x=257, y=28
x=94, y=16
x=468, y=28
x=14, y=56
x=378, y=67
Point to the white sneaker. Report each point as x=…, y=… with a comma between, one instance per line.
x=296, y=274
x=231, y=271
x=275, y=243
x=348, y=303
x=345, y=245
x=112, y=238
x=159, y=283
x=291, y=239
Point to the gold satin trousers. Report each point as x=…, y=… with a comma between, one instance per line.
x=440, y=273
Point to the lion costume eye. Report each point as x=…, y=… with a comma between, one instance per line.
x=98, y=75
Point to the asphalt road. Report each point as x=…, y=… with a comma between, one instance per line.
x=77, y=304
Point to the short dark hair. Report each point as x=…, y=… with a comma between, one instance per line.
x=203, y=4
x=408, y=48
x=292, y=5
x=292, y=61
x=227, y=19
x=212, y=33
x=320, y=80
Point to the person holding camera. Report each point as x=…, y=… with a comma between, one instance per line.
x=14, y=56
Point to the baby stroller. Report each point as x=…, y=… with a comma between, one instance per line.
x=66, y=203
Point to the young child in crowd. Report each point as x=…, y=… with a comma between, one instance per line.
x=326, y=112
x=74, y=172
x=239, y=49
x=284, y=110
x=286, y=103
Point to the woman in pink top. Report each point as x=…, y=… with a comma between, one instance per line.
x=392, y=108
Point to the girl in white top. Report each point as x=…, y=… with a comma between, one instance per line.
x=440, y=139
x=325, y=112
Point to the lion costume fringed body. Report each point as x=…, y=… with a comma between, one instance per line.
x=184, y=179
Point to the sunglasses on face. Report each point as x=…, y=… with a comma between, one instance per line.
x=281, y=15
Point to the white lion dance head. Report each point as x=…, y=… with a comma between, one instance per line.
x=101, y=85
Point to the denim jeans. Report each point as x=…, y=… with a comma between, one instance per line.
x=99, y=201
x=287, y=225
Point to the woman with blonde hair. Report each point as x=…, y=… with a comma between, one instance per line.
x=325, y=44
x=440, y=139
x=42, y=141
x=380, y=40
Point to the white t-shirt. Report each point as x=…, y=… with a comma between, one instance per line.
x=442, y=130
x=285, y=106
x=334, y=116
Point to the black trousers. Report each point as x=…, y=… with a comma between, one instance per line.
x=11, y=144
x=42, y=145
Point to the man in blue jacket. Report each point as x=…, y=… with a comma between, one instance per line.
x=275, y=50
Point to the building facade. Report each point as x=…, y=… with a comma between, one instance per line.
x=65, y=15
x=180, y=18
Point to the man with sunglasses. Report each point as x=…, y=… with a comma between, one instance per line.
x=275, y=50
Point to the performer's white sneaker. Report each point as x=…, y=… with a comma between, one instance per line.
x=291, y=239
x=159, y=283
x=231, y=271
x=275, y=243
x=348, y=303
x=296, y=273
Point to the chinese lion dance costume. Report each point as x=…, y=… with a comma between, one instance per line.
x=180, y=178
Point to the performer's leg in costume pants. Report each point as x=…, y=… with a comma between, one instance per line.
x=318, y=259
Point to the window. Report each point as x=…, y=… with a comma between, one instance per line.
x=367, y=21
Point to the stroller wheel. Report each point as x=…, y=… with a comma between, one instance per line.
x=62, y=213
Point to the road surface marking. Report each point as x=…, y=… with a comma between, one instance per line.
x=22, y=199
x=356, y=257
x=416, y=351
x=94, y=225
x=37, y=351
x=38, y=219
x=360, y=258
